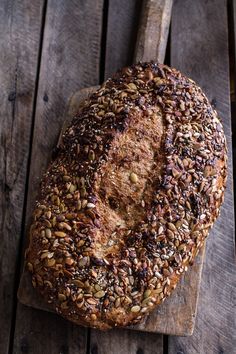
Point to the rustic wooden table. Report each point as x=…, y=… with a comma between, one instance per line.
x=50, y=49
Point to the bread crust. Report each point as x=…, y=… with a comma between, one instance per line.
x=129, y=199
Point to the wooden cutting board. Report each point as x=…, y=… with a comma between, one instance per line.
x=176, y=316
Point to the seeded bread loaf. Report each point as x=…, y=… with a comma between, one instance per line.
x=130, y=197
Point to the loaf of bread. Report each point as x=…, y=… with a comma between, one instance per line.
x=129, y=199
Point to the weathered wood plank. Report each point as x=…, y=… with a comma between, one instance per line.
x=126, y=342
x=20, y=26
x=40, y=332
x=199, y=48
x=70, y=60
x=123, y=18
x=232, y=9
x=232, y=47
x=153, y=30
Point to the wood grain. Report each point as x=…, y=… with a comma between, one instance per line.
x=40, y=332
x=70, y=60
x=123, y=18
x=199, y=47
x=20, y=26
x=175, y=316
x=126, y=342
x=232, y=50
x=153, y=30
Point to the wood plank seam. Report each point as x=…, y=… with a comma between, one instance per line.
x=232, y=56
x=103, y=41
x=123, y=21
x=19, y=34
x=20, y=259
